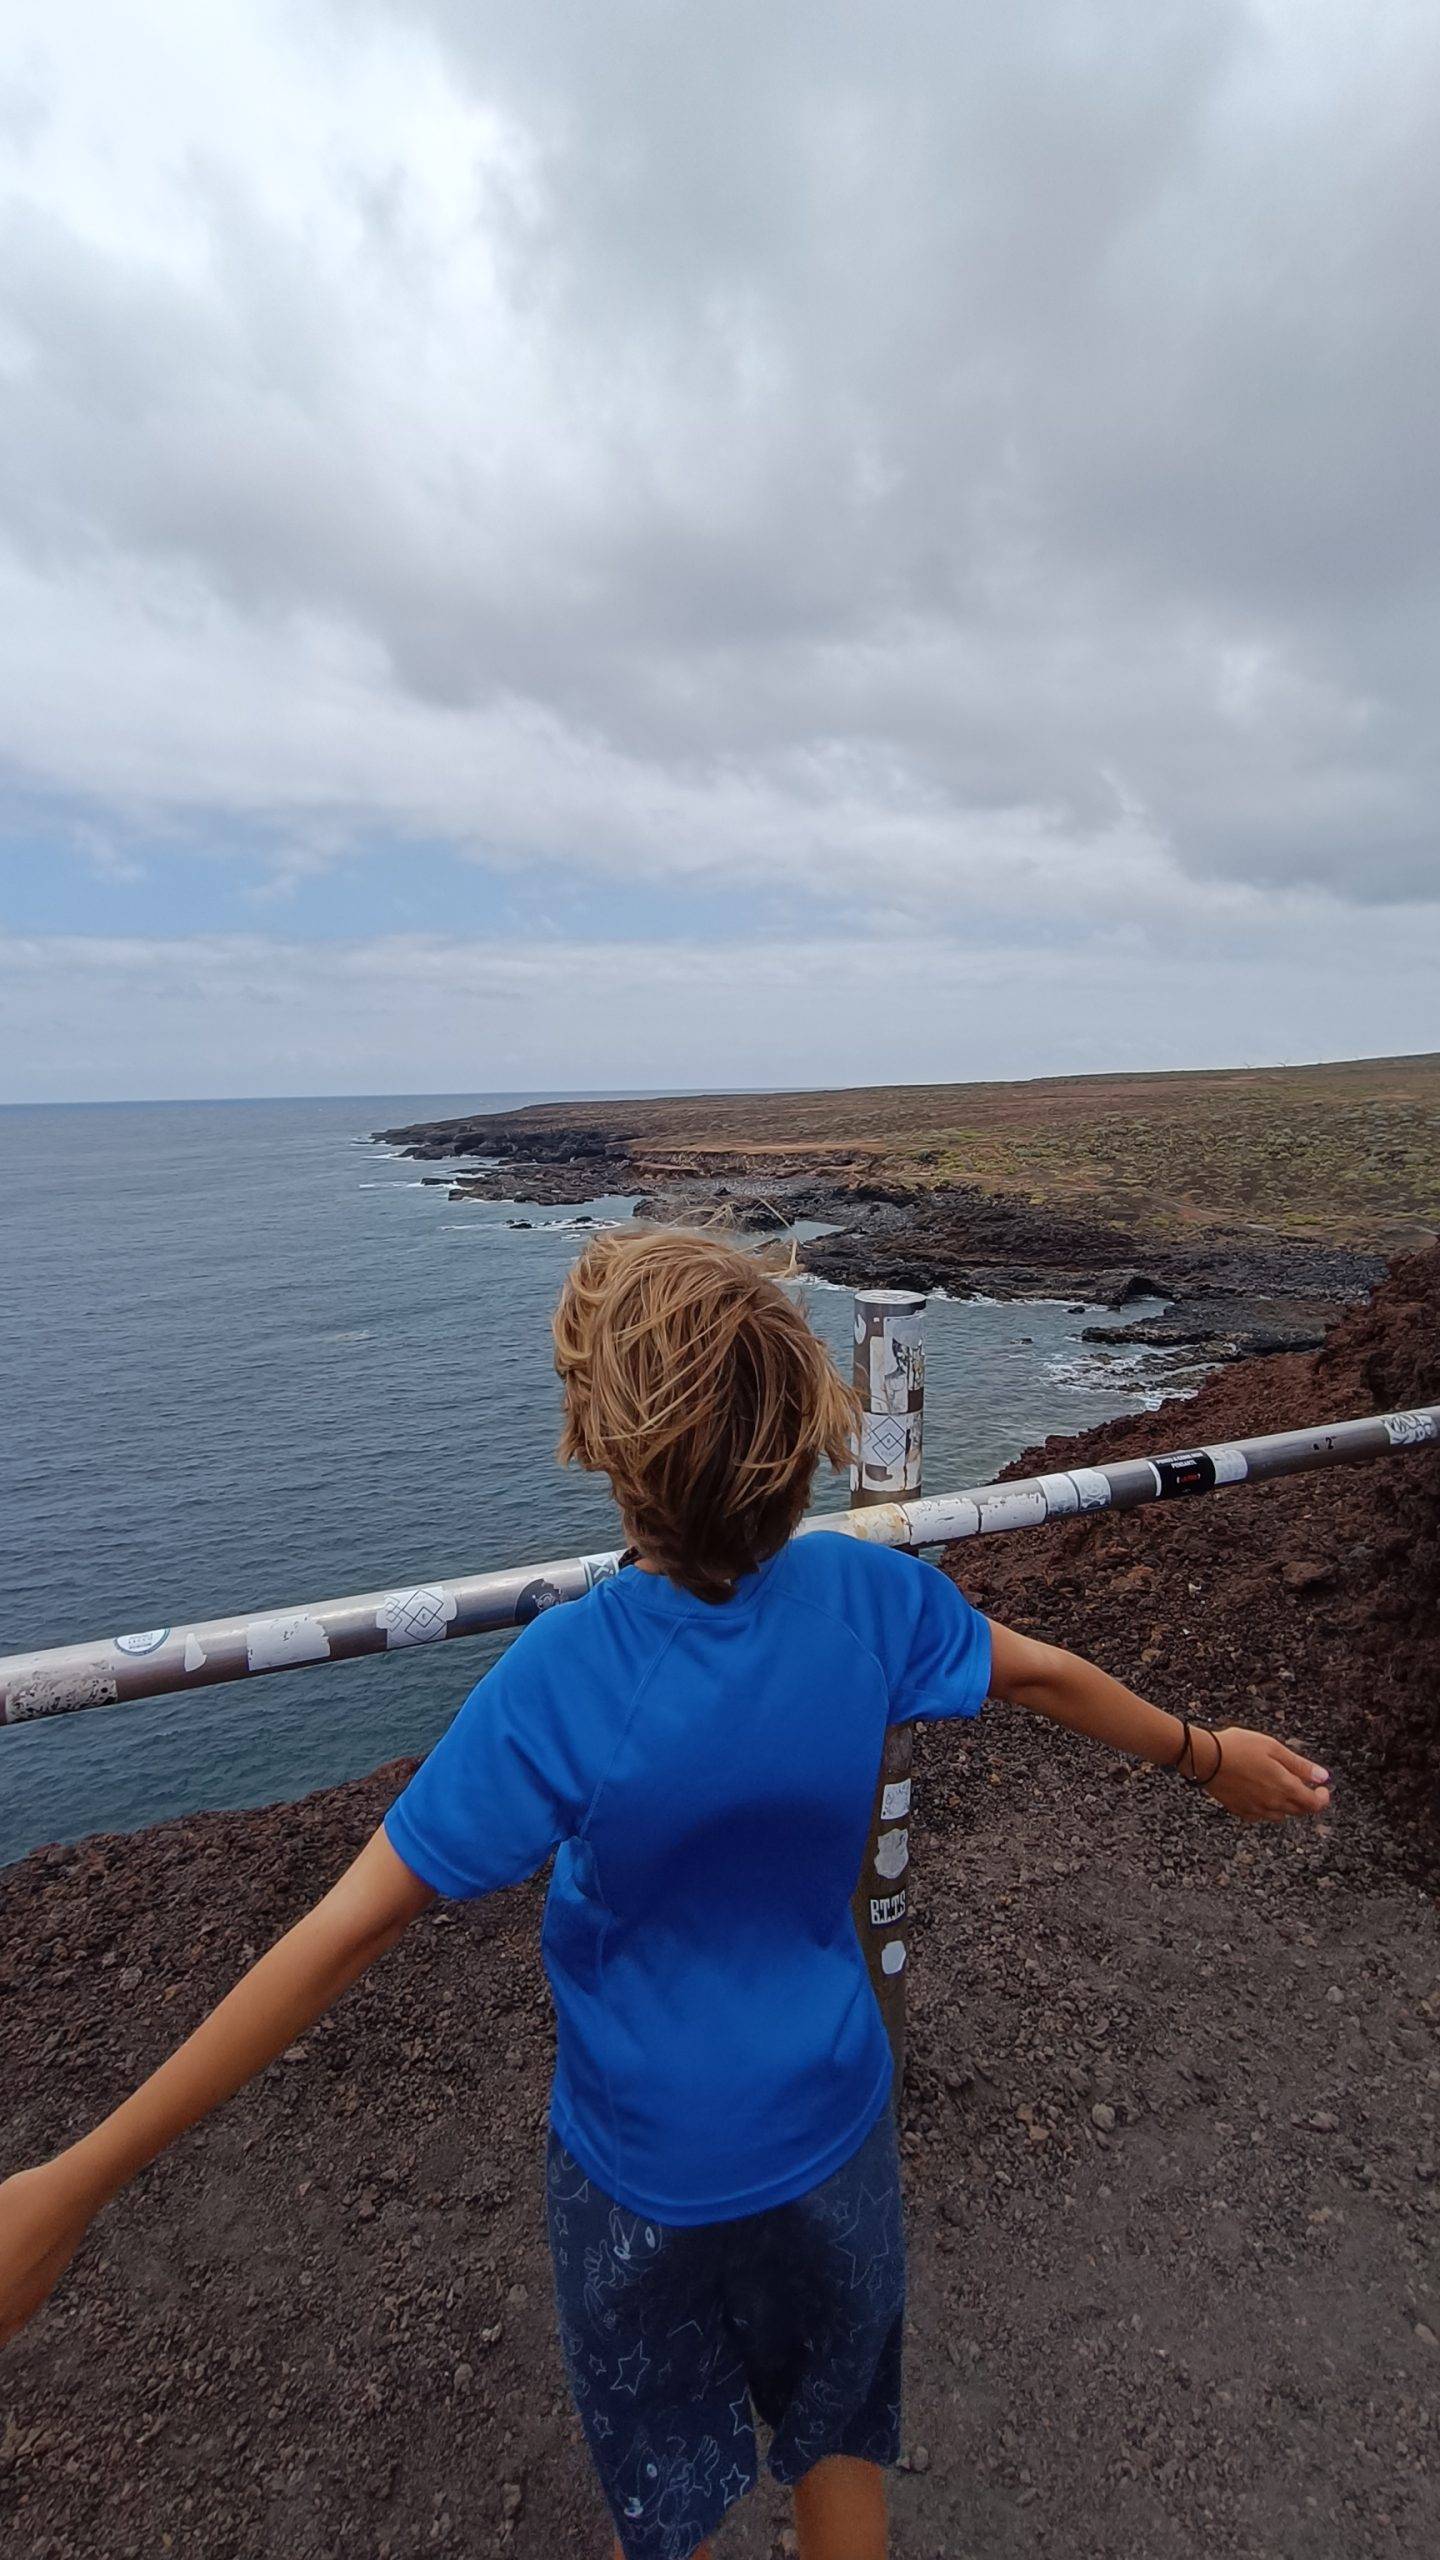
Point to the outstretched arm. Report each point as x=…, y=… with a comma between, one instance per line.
x=44, y=2212
x=1255, y=1778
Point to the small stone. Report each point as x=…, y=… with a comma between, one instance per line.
x=1426, y=2334
x=1307, y=1575
x=920, y=2458
x=518, y=2297
x=1103, y=2116
x=462, y=2377
x=1324, y=2122
x=512, y=2499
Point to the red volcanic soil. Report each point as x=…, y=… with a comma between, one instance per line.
x=1170, y=2126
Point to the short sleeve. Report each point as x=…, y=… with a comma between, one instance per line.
x=503, y=1786
x=946, y=1666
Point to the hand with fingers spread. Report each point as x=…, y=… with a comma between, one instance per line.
x=1261, y=1780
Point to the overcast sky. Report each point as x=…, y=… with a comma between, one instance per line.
x=578, y=545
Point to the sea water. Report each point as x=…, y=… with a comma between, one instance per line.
x=249, y=1358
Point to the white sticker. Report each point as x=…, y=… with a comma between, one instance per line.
x=892, y=1854
x=937, y=1516
x=884, y=1524
x=897, y=1363
x=271, y=1644
x=892, y=1956
x=1092, y=1486
x=419, y=1615
x=890, y=1448
x=1230, y=1464
x=1061, y=1495
x=56, y=1693
x=195, y=1654
x=895, y=1801
x=889, y=1380
x=1022, y=1507
x=149, y=1640
x=1407, y=1430
x=883, y=1438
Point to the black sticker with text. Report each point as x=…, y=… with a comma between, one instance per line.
x=1192, y=1473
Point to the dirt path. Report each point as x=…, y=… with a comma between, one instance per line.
x=1170, y=2126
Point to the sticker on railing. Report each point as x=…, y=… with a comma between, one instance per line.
x=536, y=1597
x=890, y=1449
x=1093, y=1487
x=895, y=1801
x=1407, y=1430
x=934, y=1517
x=892, y=1956
x=272, y=1644
x=196, y=1656
x=1230, y=1464
x=887, y=1909
x=897, y=1363
x=58, y=1693
x=892, y=1854
x=148, y=1640
x=1022, y=1506
x=1192, y=1471
x=419, y=1615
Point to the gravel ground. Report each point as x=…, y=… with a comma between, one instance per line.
x=1170, y=2125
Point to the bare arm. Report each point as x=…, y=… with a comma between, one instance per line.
x=1255, y=1778
x=44, y=2212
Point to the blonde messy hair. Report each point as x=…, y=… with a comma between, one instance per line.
x=696, y=1386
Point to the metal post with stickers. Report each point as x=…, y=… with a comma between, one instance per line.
x=886, y=1467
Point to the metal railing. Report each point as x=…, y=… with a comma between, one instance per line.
x=158, y=1661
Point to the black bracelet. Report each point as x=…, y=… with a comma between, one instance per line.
x=1195, y=1780
x=1185, y=1746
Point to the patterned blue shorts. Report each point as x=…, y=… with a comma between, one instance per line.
x=674, y=2340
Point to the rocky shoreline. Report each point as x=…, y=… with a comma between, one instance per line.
x=1227, y=1296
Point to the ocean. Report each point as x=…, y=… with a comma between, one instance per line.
x=248, y=1358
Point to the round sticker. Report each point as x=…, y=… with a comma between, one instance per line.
x=149, y=1640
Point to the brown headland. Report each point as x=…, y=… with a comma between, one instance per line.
x=1256, y=1201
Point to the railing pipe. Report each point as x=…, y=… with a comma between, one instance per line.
x=889, y=1377
x=159, y=1661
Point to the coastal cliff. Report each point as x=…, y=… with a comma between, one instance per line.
x=1169, y=2125
x=1257, y=1203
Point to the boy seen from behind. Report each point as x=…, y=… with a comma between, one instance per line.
x=697, y=1744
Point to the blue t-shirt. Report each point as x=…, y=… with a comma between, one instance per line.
x=706, y=1772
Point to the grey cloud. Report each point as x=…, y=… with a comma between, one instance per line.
x=1023, y=410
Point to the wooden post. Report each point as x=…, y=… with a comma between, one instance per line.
x=890, y=1382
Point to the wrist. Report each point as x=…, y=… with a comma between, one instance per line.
x=1199, y=1752
x=88, y=2173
